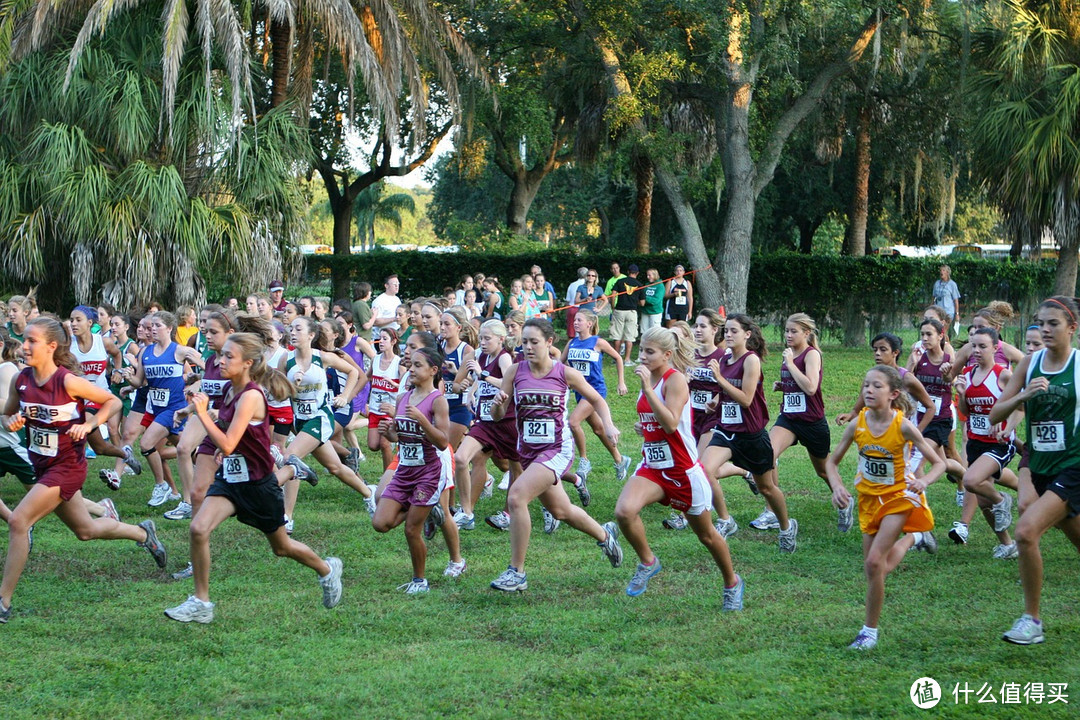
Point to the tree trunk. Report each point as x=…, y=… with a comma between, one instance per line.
x=807, y=228
x=705, y=279
x=855, y=238
x=735, y=236
x=521, y=199
x=1065, y=277
x=281, y=45
x=342, y=208
x=643, y=176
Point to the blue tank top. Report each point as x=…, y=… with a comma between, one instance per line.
x=165, y=378
x=583, y=356
x=453, y=399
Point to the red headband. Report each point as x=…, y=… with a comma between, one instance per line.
x=1063, y=307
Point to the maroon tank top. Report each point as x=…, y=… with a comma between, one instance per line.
x=251, y=460
x=796, y=404
x=49, y=412
x=733, y=416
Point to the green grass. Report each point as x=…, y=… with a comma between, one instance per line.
x=88, y=638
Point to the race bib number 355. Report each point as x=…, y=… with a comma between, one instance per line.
x=658, y=455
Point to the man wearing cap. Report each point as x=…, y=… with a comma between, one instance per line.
x=277, y=295
x=624, y=319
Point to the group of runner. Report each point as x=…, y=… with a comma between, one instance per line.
x=443, y=398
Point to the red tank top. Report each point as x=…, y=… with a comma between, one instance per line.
x=981, y=399
x=661, y=450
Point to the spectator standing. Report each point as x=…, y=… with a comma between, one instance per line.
x=363, y=318
x=616, y=275
x=571, y=297
x=384, y=308
x=651, y=300
x=541, y=284
x=624, y=315
x=947, y=295
x=590, y=296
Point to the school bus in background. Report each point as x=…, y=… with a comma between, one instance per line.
x=1048, y=251
x=316, y=250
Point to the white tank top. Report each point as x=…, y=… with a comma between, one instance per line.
x=94, y=362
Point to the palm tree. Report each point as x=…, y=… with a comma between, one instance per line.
x=91, y=193
x=1024, y=141
x=371, y=205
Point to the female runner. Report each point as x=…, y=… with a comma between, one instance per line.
x=537, y=388
x=585, y=353
x=18, y=314
x=47, y=397
x=740, y=435
x=421, y=427
x=933, y=369
x=245, y=485
x=669, y=472
x=989, y=447
x=386, y=372
x=891, y=500
x=679, y=297
x=1045, y=384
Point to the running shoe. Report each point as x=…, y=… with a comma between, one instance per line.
x=583, y=490
x=1025, y=631
x=180, y=512
x=733, y=596
x=184, y=574
x=132, y=461
x=290, y=524
x=765, y=521
x=192, y=610
x=504, y=484
x=584, y=467
x=416, y=586
x=279, y=460
x=434, y=521
x=171, y=497
x=157, y=497
x=465, y=522
x=110, y=478
x=610, y=544
x=752, y=483
x=454, y=510
x=510, y=581
x=727, y=528
x=622, y=467
x=863, y=641
x=845, y=517
x=110, y=509
x=1006, y=552
x=927, y=542
x=787, y=537
x=303, y=472
x=1003, y=513
x=499, y=521
x=152, y=544
x=128, y=471
x=331, y=584
x=677, y=521
x=369, y=502
x=486, y=493
x=959, y=533
x=30, y=540
x=640, y=582
x=90, y=454
x=551, y=523
x=960, y=498
x=353, y=459
x=454, y=569
x=5, y=612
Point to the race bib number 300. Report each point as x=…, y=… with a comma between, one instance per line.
x=539, y=432
x=794, y=403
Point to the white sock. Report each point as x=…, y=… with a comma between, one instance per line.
x=872, y=632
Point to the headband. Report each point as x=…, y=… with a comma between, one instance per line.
x=91, y=313
x=1063, y=307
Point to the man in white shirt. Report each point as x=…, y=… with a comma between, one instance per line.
x=571, y=298
x=384, y=308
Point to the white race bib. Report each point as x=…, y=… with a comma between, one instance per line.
x=305, y=409
x=794, y=402
x=936, y=400
x=451, y=395
x=1048, y=436
x=159, y=397
x=699, y=399
x=235, y=469
x=539, y=432
x=877, y=470
x=979, y=424
x=410, y=454
x=658, y=455
x=580, y=366
x=731, y=413
x=485, y=410
x=43, y=441
x=376, y=401
x=680, y=299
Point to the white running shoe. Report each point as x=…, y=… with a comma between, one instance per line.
x=465, y=522
x=960, y=498
x=551, y=523
x=510, y=581
x=584, y=467
x=488, y=487
x=180, y=512
x=504, y=484
x=1006, y=552
x=677, y=521
x=415, y=587
x=765, y=521
x=610, y=545
x=622, y=467
x=454, y=569
x=157, y=497
x=132, y=462
x=727, y=528
x=1025, y=631
x=959, y=533
x=499, y=521
x=331, y=584
x=279, y=459
x=110, y=509
x=290, y=524
x=186, y=573
x=845, y=517
x=926, y=542
x=192, y=610
x=110, y=478
x=369, y=501
x=1003, y=513
x=787, y=537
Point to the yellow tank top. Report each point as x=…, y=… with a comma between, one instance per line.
x=883, y=458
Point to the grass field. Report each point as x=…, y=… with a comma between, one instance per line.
x=88, y=638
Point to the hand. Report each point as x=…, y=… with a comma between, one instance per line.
x=450, y=367
x=500, y=399
x=15, y=422
x=645, y=375
x=474, y=367
x=712, y=403
x=639, y=428
x=613, y=434
x=201, y=401
x=80, y=431
x=388, y=409
x=844, y=418
x=916, y=485
x=841, y=497
x=340, y=401
x=413, y=413
x=776, y=386
x=298, y=378
x=714, y=366
x=1036, y=386
x=621, y=388
x=384, y=427
x=946, y=367
x=787, y=356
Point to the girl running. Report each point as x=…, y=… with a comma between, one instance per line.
x=989, y=447
x=1045, y=384
x=585, y=353
x=933, y=369
x=538, y=389
x=740, y=436
x=47, y=398
x=458, y=338
x=669, y=472
x=18, y=314
x=386, y=372
x=421, y=427
x=891, y=500
x=245, y=485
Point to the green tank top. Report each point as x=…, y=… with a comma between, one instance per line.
x=1053, y=417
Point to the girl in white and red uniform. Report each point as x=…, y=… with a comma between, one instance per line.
x=669, y=472
x=989, y=446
